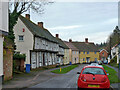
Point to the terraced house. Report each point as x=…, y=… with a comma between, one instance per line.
x=88, y=51
x=63, y=52
x=73, y=52
x=36, y=42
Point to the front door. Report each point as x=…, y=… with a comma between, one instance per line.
x=88, y=59
x=43, y=59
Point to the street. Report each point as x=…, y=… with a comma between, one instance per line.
x=68, y=80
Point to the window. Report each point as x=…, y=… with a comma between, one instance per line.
x=83, y=59
x=84, y=52
x=103, y=54
x=93, y=71
x=95, y=52
x=21, y=38
x=87, y=52
x=79, y=52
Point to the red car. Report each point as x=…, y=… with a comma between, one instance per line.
x=94, y=77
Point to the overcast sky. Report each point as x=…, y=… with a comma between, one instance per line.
x=80, y=20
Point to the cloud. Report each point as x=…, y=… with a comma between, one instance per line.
x=111, y=21
x=66, y=27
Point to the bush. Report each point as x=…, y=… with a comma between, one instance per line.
x=19, y=56
x=114, y=60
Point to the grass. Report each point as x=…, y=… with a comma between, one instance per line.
x=112, y=74
x=64, y=70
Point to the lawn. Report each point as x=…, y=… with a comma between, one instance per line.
x=112, y=74
x=64, y=70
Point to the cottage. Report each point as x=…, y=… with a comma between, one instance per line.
x=88, y=51
x=115, y=51
x=36, y=42
x=3, y=31
x=73, y=52
x=103, y=54
x=63, y=52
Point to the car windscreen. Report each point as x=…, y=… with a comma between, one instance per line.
x=94, y=71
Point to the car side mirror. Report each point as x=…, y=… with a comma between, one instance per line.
x=78, y=72
x=107, y=73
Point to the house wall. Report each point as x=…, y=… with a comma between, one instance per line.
x=75, y=57
x=66, y=57
x=103, y=55
x=1, y=55
x=92, y=56
x=8, y=63
x=26, y=45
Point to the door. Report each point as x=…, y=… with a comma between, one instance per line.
x=43, y=59
x=88, y=59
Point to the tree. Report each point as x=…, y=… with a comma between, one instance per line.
x=17, y=8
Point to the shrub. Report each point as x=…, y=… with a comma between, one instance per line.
x=19, y=56
x=114, y=60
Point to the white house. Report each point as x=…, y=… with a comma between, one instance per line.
x=115, y=51
x=36, y=42
x=3, y=31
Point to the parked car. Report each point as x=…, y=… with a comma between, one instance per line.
x=100, y=62
x=105, y=61
x=93, y=77
x=95, y=64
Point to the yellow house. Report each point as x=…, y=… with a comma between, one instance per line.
x=88, y=51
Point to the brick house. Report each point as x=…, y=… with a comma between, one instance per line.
x=88, y=51
x=36, y=42
x=103, y=54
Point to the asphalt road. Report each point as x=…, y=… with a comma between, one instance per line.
x=68, y=80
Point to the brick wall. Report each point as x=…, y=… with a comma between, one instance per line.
x=7, y=63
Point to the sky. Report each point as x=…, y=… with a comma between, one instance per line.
x=79, y=20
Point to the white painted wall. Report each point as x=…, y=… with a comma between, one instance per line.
x=1, y=55
x=4, y=16
x=23, y=46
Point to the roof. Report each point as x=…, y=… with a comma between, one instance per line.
x=104, y=50
x=38, y=31
x=82, y=46
x=61, y=43
x=115, y=45
x=71, y=46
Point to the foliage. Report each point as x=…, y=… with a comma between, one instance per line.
x=64, y=70
x=19, y=56
x=112, y=74
x=114, y=60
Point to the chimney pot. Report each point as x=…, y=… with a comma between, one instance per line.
x=86, y=40
x=70, y=40
x=28, y=16
x=57, y=35
x=40, y=24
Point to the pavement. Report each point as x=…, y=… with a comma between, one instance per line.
x=29, y=79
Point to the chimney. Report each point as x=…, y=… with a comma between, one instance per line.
x=86, y=40
x=70, y=40
x=28, y=16
x=40, y=24
x=57, y=35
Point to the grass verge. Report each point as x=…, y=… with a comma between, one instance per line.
x=64, y=70
x=114, y=65
x=112, y=74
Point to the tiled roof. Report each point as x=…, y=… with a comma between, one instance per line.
x=38, y=31
x=71, y=46
x=82, y=46
x=61, y=43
